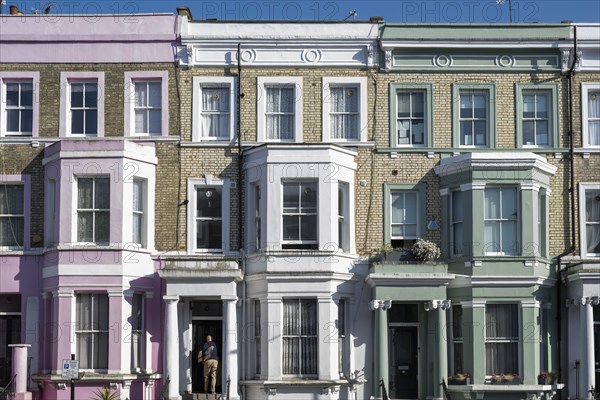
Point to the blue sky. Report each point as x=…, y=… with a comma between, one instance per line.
x=414, y=11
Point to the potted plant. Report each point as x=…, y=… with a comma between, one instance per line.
x=106, y=394
x=459, y=379
x=546, y=378
x=542, y=378
x=424, y=250
x=506, y=379
x=382, y=252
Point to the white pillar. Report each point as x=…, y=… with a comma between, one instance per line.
x=587, y=371
x=230, y=347
x=19, y=370
x=328, y=343
x=171, y=340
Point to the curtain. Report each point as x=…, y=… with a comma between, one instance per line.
x=299, y=337
x=592, y=217
x=594, y=118
x=502, y=338
x=215, y=111
x=280, y=113
x=92, y=319
x=344, y=112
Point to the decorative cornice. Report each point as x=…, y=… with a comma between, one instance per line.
x=384, y=305
x=435, y=304
x=583, y=301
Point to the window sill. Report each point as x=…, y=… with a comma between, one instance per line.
x=97, y=377
x=505, y=388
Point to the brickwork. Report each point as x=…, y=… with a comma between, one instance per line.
x=50, y=93
x=26, y=160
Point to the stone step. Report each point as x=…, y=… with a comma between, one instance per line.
x=201, y=396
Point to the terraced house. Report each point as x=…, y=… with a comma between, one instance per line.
x=264, y=183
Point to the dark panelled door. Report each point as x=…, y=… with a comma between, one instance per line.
x=404, y=362
x=10, y=333
x=201, y=329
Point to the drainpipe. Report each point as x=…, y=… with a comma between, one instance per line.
x=240, y=95
x=572, y=248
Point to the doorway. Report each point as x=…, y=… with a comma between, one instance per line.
x=200, y=329
x=10, y=333
x=404, y=361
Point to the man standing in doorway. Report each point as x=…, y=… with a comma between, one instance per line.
x=208, y=355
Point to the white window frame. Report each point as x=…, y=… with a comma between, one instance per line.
x=143, y=212
x=93, y=210
x=416, y=213
x=300, y=242
x=20, y=77
x=504, y=340
x=503, y=220
x=208, y=182
x=261, y=106
x=79, y=331
x=68, y=78
x=129, y=95
x=200, y=82
x=586, y=88
x=25, y=182
x=357, y=82
x=583, y=187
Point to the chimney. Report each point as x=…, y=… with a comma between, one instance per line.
x=14, y=10
x=184, y=12
x=376, y=19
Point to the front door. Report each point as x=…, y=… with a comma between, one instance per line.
x=404, y=362
x=200, y=330
x=10, y=333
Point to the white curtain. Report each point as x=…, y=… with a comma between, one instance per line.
x=344, y=112
x=299, y=337
x=92, y=327
x=502, y=339
x=592, y=218
x=594, y=118
x=215, y=112
x=280, y=113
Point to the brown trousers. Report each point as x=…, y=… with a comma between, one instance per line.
x=210, y=372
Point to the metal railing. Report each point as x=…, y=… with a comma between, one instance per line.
x=445, y=389
x=8, y=392
x=164, y=393
x=384, y=394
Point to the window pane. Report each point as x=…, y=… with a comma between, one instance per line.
x=457, y=238
x=480, y=131
x=492, y=237
x=11, y=231
x=466, y=133
x=397, y=207
x=418, y=131
x=12, y=94
x=457, y=210
x=12, y=120
x=466, y=105
x=208, y=204
x=509, y=203
x=154, y=125
x=403, y=132
x=492, y=203
x=291, y=227
x=209, y=234
x=592, y=205
x=77, y=121
x=102, y=193
x=501, y=358
x=528, y=133
x=91, y=95
x=501, y=321
x=309, y=196
x=287, y=100
x=215, y=99
x=309, y=227
x=291, y=197
x=509, y=237
x=85, y=226
x=137, y=228
x=528, y=106
x=84, y=192
x=26, y=120
x=91, y=122
x=26, y=95
x=12, y=199
x=410, y=212
x=77, y=95
x=102, y=228
x=138, y=195
x=155, y=95
x=141, y=121
x=403, y=104
x=542, y=133
x=480, y=106
x=542, y=106
x=141, y=94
